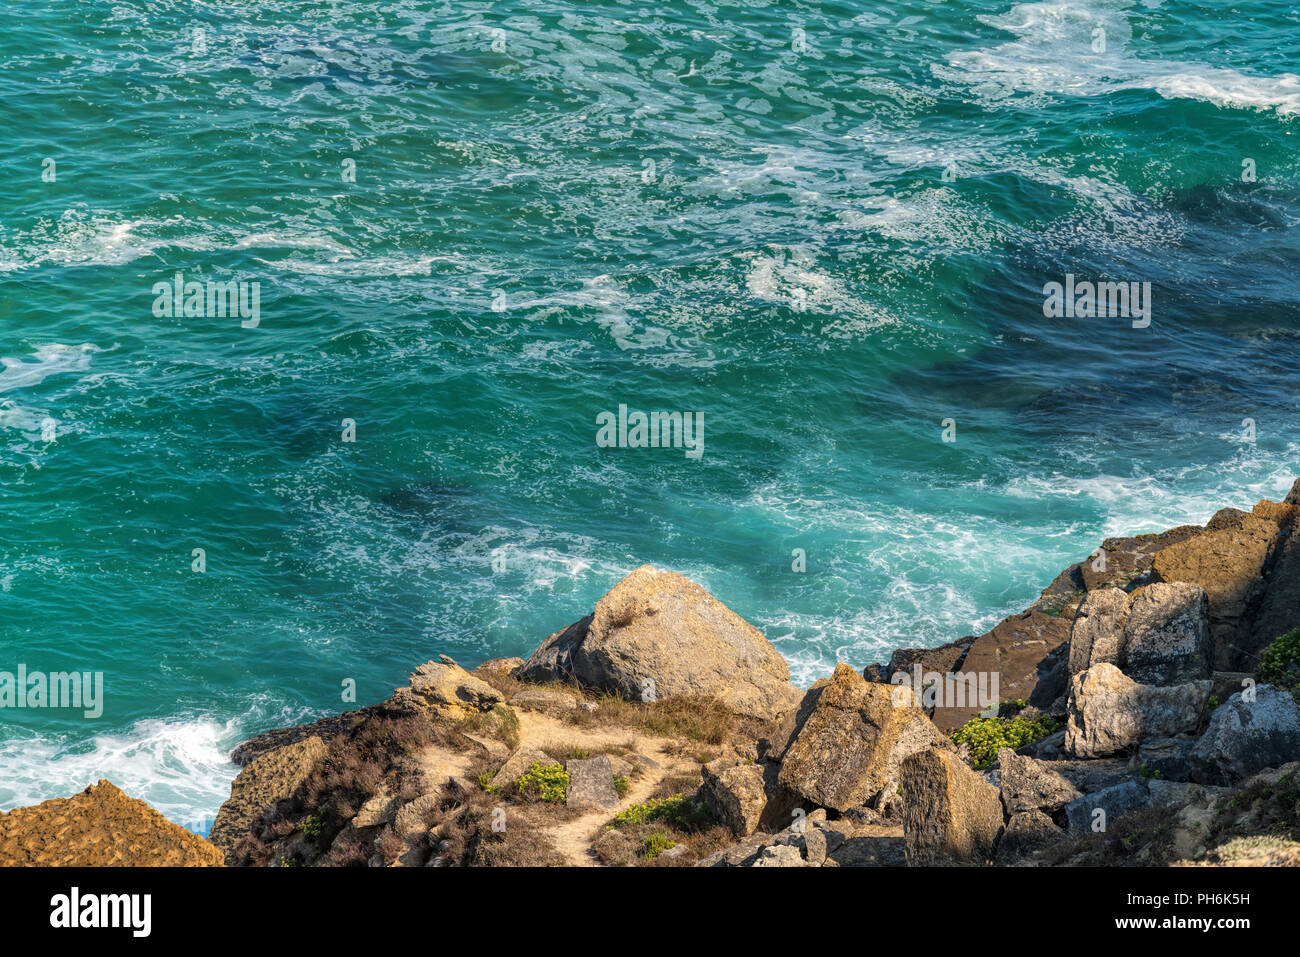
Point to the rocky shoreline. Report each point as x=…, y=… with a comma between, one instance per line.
x=1143, y=711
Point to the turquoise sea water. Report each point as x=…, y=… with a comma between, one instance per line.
x=824, y=227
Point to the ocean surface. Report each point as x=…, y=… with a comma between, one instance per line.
x=823, y=228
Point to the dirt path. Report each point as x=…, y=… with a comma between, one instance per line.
x=437, y=764
x=573, y=838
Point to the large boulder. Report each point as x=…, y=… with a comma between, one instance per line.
x=1110, y=712
x=1228, y=560
x=747, y=796
x=1029, y=785
x=1247, y=736
x=270, y=778
x=851, y=743
x=951, y=815
x=735, y=794
x=657, y=634
x=1158, y=635
x=1097, y=634
x=100, y=827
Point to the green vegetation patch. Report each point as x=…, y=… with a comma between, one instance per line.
x=545, y=782
x=656, y=844
x=986, y=736
x=676, y=811
x=1280, y=663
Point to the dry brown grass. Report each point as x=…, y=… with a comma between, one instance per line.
x=695, y=718
x=468, y=837
x=1142, y=838
x=563, y=752
x=501, y=723
x=377, y=752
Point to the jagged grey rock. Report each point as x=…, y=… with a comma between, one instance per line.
x=591, y=783
x=1110, y=712
x=1029, y=785
x=1158, y=635
x=1247, y=736
x=852, y=742
x=1082, y=813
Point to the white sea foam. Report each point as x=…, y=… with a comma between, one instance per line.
x=1185, y=495
x=792, y=279
x=1054, y=55
x=344, y=265
x=83, y=238
x=50, y=359
x=179, y=765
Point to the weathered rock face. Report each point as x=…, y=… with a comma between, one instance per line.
x=448, y=689
x=780, y=855
x=941, y=660
x=100, y=827
x=413, y=816
x=591, y=783
x=1018, y=650
x=1167, y=634
x=379, y=809
x=1110, y=712
x=659, y=634
x=788, y=728
x=1228, y=560
x=1160, y=634
x=498, y=667
x=1121, y=561
x=850, y=745
x=951, y=815
x=1098, y=632
x=747, y=797
x=1279, y=609
x=735, y=794
x=1096, y=812
x=1247, y=736
x=271, y=777
x=1029, y=785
